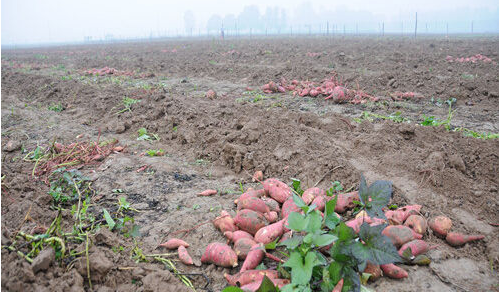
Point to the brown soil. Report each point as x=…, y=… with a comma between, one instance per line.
x=218, y=143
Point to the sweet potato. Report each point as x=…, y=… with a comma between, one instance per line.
x=224, y=222
x=254, y=257
x=270, y=233
x=399, y=234
x=250, y=221
x=250, y=276
x=416, y=208
x=416, y=223
x=236, y=235
x=184, y=256
x=374, y=270
x=288, y=207
x=258, y=176
x=440, y=225
x=286, y=235
x=458, y=239
x=250, y=193
x=345, y=201
x=355, y=223
x=320, y=202
x=253, y=286
x=219, y=254
x=310, y=194
x=277, y=190
x=207, y=193
x=339, y=286
x=243, y=246
x=271, y=216
x=417, y=246
x=174, y=243
x=252, y=203
x=397, y=217
x=394, y=271
x=272, y=204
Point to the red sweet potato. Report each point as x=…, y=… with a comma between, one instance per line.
x=252, y=203
x=355, y=223
x=416, y=208
x=219, y=254
x=236, y=235
x=440, y=225
x=254, y=257
x=394, y=271
x=397, y=217
x=250, y=221
x=400, y=234
x=258, y=176
x=207, y=193
x=174, y=243
x=243, y=246
x=253, y=286
x=320, y=202
x=250, y=276
x=374, y=270
x=339, y=286
x=416, y=223
x=271, y=216
x=288, y=207
x=270, y=233
x=458, y=239
x=345, y=201
x=310, y=194
x=224, y=222
x=272, y=204
x=286, y=235
x=417, y=246
x=276, y=189
x=250, y=193
x=184, y=256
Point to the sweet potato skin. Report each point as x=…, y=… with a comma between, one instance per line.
x=457, y=239
x=374, y=270
x=219, y=254
x=440, y=225
x=253, y=286
x=271, y=216
x=250, y=276
x=249, y=221
x=339, y=286
x=253, y=203
x=254, y=257
x=399, y=234
x=345, y=201
x=184, y=256
x=225, y=222
x=394, y=272
x=416, y=223
x=270, y=233
x=277, y=190
x=272, y=204
x=310, y=194
x=320, y=202
x=417, y=246
x=250, y=194
x=243, y=246
x=236, y=235
x=174, y=243
x=288, y=207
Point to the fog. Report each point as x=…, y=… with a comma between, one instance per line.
x=54, y=21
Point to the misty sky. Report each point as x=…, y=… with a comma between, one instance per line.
x=35, y=21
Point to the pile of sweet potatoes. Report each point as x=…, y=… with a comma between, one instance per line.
x=473, y=59
x=330, y=88
x=108, y=71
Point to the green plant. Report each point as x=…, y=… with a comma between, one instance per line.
x=67, y=185
x=153, y=152
x=212, y=62
x=128, y=103
x=144, y=135
x=396, y=117
x=56, y=107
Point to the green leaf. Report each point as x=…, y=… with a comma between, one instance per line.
x=330, y=217
x=135, y=232
x=314, y=222
x=109, y=220
x=363, y=191
x=323, y=239
x=296, y=184
x=308, y=238
x=267, y=286
x=344, y=232
x=301, y=268
x=377, y=248
x=299, y=202
x=261, y=266
x=272, y=245
x=232, y=289
x=292, y=242
x=380, y=193
x=297, y=221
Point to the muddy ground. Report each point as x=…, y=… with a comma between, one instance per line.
x=218, y=143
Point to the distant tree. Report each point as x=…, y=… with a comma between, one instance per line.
x=249, y=18
x=229, y=22
x=214, y=23
x=189, y=21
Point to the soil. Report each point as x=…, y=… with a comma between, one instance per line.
x=219, y=142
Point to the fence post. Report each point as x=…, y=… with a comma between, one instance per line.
x=416, y=26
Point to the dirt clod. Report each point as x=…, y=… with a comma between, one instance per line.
x=43, y=260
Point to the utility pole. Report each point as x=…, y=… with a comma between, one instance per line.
x=447, y=34
x=416, y=26
x=357, y=29
x=383, y=30
x=472, y=27
x=327, y=28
